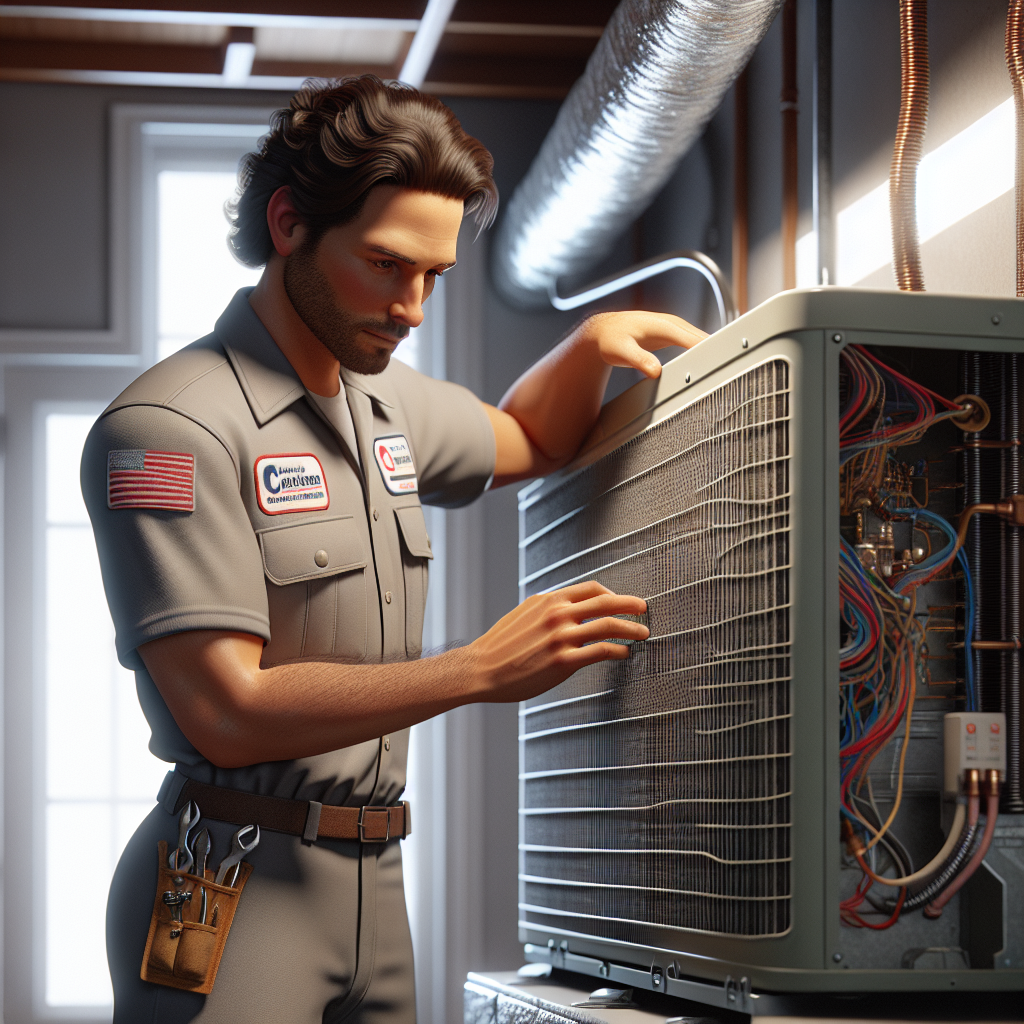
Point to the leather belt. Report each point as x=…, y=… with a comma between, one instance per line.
x=306, y=818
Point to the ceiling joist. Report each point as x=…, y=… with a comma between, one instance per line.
x=526, y=48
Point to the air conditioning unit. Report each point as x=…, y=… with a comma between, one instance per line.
x=681, y=812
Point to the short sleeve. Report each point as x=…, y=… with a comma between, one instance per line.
x=168, y=571
x=452, y=440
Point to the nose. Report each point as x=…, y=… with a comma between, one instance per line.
x=408, y=307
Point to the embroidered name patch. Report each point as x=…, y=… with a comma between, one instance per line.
x=394, y=460
x=137, y=478
x=290, y=483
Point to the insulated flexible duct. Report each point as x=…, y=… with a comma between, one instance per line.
x=909, y=138
x=657, y=76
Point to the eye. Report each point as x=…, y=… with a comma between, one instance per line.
x=383, y=264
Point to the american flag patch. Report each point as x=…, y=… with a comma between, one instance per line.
x=141, y=479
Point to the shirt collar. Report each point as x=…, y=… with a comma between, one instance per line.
x=267, y=379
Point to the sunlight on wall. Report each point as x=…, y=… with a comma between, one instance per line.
x=956, y=179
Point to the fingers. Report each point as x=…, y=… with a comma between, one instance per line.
x=609, y=604
x=608, y=628
x=594, y=653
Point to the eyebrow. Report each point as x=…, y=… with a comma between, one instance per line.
x=404, y=259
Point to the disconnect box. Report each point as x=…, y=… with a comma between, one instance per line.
x=973, y=739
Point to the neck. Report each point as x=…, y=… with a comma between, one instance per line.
x=317, y=369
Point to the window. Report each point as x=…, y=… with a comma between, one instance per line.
x=79, y=775
x=100, y=776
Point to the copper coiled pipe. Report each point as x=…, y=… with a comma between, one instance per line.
x=909, y=139
x=1015, y=65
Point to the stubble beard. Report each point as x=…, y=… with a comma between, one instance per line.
x=309, y=291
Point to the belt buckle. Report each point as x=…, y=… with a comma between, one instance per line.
x=361, y=824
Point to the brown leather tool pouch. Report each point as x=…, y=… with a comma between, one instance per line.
x=186, y=954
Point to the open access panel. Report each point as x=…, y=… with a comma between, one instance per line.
x=808, y=779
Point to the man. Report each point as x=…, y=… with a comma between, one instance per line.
x=256, y=504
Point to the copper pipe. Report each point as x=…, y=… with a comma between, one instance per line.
x=741, y=196
x=909, y=139
x=934, y=909
x=1011, y=509
x=1015, y=65
x=790, y=151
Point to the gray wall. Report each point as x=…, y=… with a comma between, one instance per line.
x=54, y=201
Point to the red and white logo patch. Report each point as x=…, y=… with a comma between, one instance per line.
x=394, y=460
x=292, y=482
x=137, y=478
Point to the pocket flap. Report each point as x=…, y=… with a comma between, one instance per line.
x=306, y=551
x=414, y=530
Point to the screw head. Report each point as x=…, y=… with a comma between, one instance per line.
x=746, y=343
x=687, y=378
x=837, y=338
x=996, y=318
x=837, y=957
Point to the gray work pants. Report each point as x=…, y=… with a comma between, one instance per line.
x=320, y=935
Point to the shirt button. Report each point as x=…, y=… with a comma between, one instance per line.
x=387, y=596
x=321, y=558
x=376, y=515
x=387, y=742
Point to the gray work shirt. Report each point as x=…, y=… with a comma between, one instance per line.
x=222, y=498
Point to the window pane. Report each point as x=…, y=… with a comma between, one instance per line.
x=65, y=438
x=76, y=958
x=196, y=275
x=101, y=779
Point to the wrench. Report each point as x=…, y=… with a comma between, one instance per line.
x=239, y=849
x=202, y=851
x=181, y=857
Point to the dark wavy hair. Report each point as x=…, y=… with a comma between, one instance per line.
x=337, y=140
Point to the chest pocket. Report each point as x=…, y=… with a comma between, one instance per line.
x=316, y=591
x=415, y=553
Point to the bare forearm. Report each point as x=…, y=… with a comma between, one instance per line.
x=300, y=709
x=236, y=713
x=557, y=401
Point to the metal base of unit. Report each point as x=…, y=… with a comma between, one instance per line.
x=756, y=991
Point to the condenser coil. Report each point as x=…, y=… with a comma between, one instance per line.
x=679, y=811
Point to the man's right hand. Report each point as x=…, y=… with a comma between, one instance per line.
x=237, y=713
x=550, y=636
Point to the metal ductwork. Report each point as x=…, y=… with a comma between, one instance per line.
x=656, y=78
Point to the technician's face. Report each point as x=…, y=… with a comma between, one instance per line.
x=362, y=287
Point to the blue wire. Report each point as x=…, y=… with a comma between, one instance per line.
x=972, y=696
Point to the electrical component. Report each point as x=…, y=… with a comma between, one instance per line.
x=972, y=739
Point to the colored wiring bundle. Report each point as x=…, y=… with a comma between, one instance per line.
x=881, y=409
x=881, y=657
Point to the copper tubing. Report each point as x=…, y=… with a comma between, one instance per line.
x=790, y=151
x=909, y=139
x=1012, y=509
x=741, y=196
x=934, y=909
x=1015, y=65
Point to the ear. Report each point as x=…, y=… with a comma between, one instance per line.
x=287, y=228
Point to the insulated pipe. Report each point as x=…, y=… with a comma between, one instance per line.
x=909, y=140
x=934, y=909
x=659, y=73
x=1015, y=64
x=790, y=149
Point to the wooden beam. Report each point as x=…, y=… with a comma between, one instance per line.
x=536, y=12
x=404, y=9
x=45, y=54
